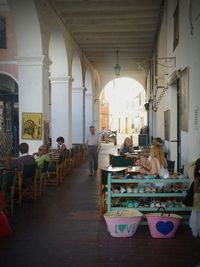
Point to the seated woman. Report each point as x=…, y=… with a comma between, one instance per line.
x=127, y=146
x=159, y=141
x=145, y=158
x=61, y=147
x=41, y=157
x=157, y=164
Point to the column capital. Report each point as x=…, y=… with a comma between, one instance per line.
x=84, y=89
x=70, y=79
x=97, y=101
x=89, y=94
x=79, y=90
x=59, y=79
x=33, y=60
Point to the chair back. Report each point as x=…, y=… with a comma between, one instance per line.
x=72, y=153
x=7, y=180
x=170, y=165
x=45, y=166
x=104, y=175
x=121, y=161
x=63, y=156
x=28, y=174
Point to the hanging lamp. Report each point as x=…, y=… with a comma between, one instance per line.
x=117, y=67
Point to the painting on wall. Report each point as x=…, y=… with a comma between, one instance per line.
x=167, y=124
x=184, y=89
x=32, y=126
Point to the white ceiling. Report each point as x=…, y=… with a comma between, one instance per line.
x=100, y=27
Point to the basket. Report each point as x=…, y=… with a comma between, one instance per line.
x=123, y=223
x=163, y=225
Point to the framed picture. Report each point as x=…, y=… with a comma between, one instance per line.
x=184, y=89
x=32, y=126
x=167, y=124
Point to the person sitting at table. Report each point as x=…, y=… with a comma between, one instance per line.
x=156, y=164
x=159, y=141
x=145, y=158
x=61, y=147
x=127, y=146
x=24, y=160
x=41, y=159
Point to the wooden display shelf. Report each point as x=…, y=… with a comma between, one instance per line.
x=133, y=181
x=147, y=194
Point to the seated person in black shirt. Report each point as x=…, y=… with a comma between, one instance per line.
x=25, y=162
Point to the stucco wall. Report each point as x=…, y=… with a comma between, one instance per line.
x=186, y=55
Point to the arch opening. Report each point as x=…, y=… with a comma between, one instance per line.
x=78, y=112
x=122, y=108
x=88, y=101
x=58, y=86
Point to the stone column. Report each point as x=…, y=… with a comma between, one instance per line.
x=61, y=109
x=78, y=115
x=96, y=113
x=33, y=93
x=88, y=112
x=69, y=137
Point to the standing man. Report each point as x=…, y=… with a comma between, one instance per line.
x=93, y=142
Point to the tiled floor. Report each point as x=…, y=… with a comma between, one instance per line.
x=64, y=228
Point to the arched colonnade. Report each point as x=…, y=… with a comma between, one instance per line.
x=54, y=78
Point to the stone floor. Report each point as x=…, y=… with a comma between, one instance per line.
x=64, y=228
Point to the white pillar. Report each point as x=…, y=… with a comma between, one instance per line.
x=60, y=109
x=69, y=137
x=88, y=112
x=33, y=93
x=96, y=121
x=78, y=115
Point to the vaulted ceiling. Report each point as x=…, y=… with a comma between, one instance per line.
x=101, y=27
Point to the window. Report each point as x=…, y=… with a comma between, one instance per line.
x=2, y=33
x=176, y=27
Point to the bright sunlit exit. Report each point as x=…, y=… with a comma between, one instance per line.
x=122, y=106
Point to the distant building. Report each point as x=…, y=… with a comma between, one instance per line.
x=104, y=113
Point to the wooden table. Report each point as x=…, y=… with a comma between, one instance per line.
x=131, y=170
x=116, y=169
x=134, y=170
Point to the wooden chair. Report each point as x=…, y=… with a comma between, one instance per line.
x=72, y=157
x=42, y=176
x=53, y=171
x=7, y=186
x=77, y=155
x=61, y=168
x=68, y=165
x=27, y=182
x=121, y=161
x=103, y=181
x=170, y=166
x=84, y=152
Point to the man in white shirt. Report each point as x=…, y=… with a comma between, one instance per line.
x=93, y=143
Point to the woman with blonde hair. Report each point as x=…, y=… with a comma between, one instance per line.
x=127, y=146
x=157, y=164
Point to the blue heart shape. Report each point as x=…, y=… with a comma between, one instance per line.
x=164, y=227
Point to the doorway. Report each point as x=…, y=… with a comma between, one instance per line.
x=9, y=116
